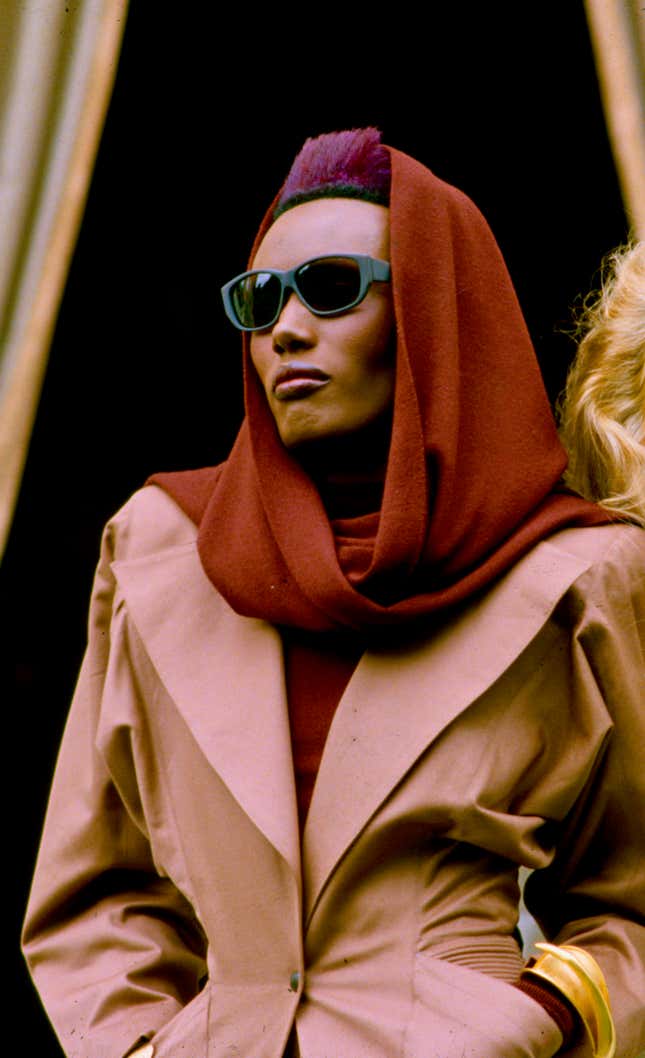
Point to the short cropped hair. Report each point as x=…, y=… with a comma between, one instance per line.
x=602, y=409
x=348, y=164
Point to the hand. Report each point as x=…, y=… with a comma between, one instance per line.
x=145, y=1051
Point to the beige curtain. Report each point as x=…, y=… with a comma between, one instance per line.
x=58, y=59
x=617, y=30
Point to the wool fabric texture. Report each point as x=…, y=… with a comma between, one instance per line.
x=474, y=465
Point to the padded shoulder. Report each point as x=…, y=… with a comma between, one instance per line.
x=615, y=555
x=601, y=542
x=149, y=522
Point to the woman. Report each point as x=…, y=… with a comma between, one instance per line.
x=381, y=619
x=602, y=413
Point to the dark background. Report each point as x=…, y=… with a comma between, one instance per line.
x=500, y=99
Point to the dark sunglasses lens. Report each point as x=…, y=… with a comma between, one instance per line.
x=330, y=285
x=256, y=299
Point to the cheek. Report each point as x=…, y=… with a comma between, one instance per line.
x=374, y=346
x=260, y=356
x=367, y=382
x=382, y=337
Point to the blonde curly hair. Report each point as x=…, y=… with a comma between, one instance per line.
x=601, y=411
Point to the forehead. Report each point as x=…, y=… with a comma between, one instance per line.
x=325, y=225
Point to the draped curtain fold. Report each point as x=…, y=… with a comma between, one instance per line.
x=58, y=60
x=617, y=29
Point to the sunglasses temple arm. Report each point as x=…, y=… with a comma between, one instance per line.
x=380, y=271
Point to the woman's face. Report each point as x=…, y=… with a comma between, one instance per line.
x=327, y=376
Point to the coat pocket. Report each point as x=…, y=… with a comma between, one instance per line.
x=460, y=1013
x=186, y=1033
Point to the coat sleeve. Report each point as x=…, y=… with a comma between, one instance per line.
x=593, y=893
x=114, y=948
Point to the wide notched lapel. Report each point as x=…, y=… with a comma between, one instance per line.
x=398, y=701
x=225, y=675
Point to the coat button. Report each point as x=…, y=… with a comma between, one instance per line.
x=294, y=981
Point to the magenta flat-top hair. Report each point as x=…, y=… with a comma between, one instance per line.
x=349, y=164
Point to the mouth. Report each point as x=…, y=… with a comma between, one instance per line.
x=294, y=381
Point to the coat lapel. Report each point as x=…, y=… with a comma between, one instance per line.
x=398, y=701
x=225, y=674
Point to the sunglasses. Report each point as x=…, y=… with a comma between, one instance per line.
x=326, y=286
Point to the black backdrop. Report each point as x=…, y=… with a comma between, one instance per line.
x=207, y=112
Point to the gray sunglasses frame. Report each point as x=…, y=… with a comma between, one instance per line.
x=370, y=269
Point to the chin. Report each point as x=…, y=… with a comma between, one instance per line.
x=295, y=436
x=296, y=442
x=334, y=435
x=318, y=435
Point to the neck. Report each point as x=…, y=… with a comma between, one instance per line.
x=349, y=470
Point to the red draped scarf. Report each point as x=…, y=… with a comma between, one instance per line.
x=472, y=478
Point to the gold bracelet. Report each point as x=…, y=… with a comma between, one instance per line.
x=576, y=974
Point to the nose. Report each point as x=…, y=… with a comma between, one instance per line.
x=295, y=327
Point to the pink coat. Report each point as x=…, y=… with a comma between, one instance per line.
x=171, y=888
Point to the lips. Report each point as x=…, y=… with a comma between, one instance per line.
x=294, y=381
